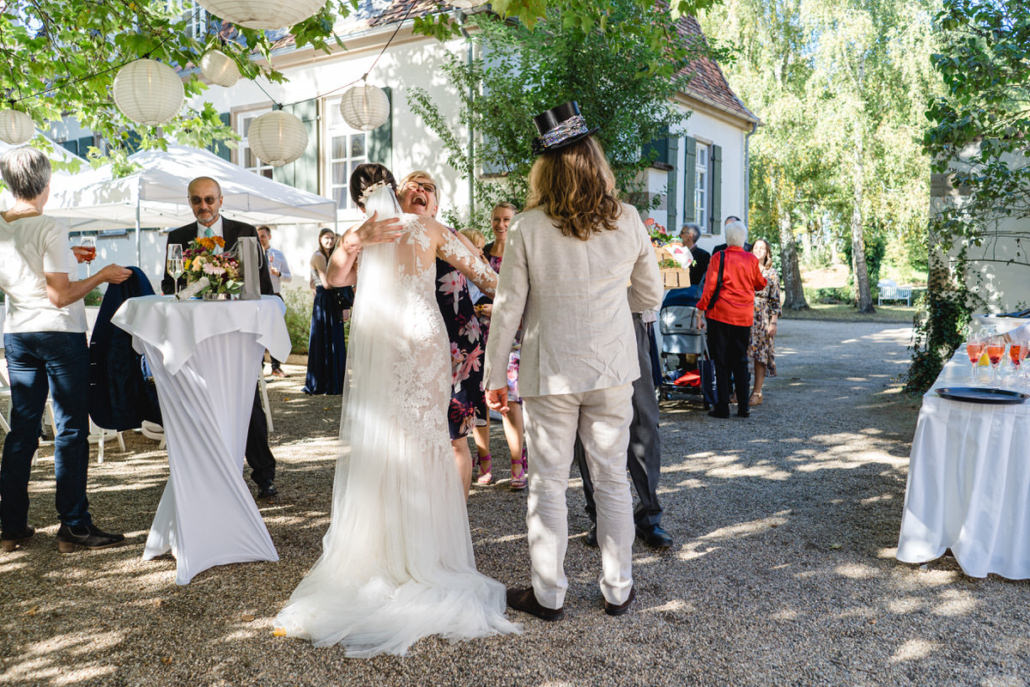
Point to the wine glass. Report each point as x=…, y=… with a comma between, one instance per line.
x=995, y=352
x=174, y=264
x=90, y=244
x=974, y=349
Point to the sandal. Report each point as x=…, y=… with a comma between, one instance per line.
x=485, y=476
x=756, y=399
x=519, y=483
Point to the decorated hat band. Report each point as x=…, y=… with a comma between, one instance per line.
x=573, y=126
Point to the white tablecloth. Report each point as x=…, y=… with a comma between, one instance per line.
x=205, y=357
x=969, y=480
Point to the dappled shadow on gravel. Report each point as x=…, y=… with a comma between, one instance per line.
x=782, y=574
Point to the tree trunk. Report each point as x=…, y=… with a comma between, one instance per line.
x=793, y=289
x=858, y=266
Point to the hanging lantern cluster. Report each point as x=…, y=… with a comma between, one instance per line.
x=219, y=68
x=148, y=92
x=277, y=138
x=365, y=107
x=16, y=127
x=263, y=14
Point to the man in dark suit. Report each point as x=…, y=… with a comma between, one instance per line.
x=205, y=198
x=690, y=234
x=722, y=246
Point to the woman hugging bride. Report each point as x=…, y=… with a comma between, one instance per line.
x=397, y=562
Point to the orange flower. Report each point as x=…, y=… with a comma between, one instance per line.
x=219, y=241
x=207, y=242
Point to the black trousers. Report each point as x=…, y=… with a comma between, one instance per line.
x=727, y=344
x=259, y=456
x=276, y=364
x=644, y=457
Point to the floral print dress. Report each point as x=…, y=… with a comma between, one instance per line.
x=467, y=348
x=767, y=306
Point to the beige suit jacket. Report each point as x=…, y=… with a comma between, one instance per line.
x=571, y=296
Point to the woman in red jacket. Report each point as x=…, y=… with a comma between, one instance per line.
x=728, y=302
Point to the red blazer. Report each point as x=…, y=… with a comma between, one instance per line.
x=740, y=280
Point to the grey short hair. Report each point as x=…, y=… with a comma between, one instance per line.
x=693, y=229
x=26, y=172
x=736, y=234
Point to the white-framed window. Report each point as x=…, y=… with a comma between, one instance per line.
x=346, y=148
x=196, y=17
x=246, y=157
x=701, y=182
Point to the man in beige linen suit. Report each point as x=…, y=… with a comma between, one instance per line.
x=578, y=363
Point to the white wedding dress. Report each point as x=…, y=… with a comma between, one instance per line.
x=397, y=562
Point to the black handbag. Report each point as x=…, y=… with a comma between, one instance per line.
x=718, y=282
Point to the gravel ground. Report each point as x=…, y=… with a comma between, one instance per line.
x=782, y=574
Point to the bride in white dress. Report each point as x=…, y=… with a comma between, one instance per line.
x=397, y=562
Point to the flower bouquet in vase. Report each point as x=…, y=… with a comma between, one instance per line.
x=211, y=273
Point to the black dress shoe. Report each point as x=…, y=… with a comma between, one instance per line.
x=591, y=538
x=721, y=414
x=655, y=537
x=267, y=492
x=743, y=412
x=10, y=541
x=525, y=600
x=620, y=609
x=87, y=536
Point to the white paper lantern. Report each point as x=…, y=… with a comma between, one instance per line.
x=219, y=68
x=277, y=138
x=148, y=92
x=467, y=4
x=365, y=107
x=16, y=127
x=263, y=14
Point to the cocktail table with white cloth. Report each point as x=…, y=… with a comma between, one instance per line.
x=969, y=479
x=205, y=356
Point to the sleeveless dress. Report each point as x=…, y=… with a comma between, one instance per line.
x=397, y=562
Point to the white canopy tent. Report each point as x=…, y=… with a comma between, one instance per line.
x=155, y=195
x=60, y=179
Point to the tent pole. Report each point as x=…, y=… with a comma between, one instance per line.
x=139, y=242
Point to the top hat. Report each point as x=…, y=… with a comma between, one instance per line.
x=559, y=127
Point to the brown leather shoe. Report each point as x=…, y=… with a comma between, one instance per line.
x=11, y=541
x=620, y=609
x=525, y=600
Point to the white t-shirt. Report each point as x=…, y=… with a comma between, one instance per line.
x=29, y=247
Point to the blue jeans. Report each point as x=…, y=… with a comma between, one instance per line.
x=38, y=362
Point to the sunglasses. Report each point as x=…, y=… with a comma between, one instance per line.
x=424, y=186
x=207, y=200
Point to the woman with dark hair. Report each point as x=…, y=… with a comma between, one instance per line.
x=397, y=562
x=763, y=330
x=568, y=259
x=327, y=349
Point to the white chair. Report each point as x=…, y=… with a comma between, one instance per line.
x=152, y=430
x=100, y=436
x=263, y=387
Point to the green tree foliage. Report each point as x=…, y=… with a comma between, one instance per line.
x=840, y=86
x=60, y=57
x=622, y=68
x=977, y=137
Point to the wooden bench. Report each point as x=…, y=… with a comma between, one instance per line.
x=890, y=291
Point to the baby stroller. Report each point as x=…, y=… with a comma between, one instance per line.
x=685, y=364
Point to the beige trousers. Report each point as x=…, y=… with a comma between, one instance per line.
x=602, y=419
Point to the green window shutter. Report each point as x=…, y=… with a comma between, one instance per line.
x=689, y=176
x=715, y=214
x=660, y=148
x=380, y=139
x=302, y=173
x=670, y=188
x=218, y=147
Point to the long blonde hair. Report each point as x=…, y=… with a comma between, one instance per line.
x=576, y=188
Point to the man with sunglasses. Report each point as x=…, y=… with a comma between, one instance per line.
x=205, y=199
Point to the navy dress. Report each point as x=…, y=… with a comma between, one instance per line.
x=327, y=351
x=467, y=348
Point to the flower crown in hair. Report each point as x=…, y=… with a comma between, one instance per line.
x=369, y=190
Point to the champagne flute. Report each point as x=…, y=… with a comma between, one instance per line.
x=90, y=244
x=174, y=264
x=974, y=349
x=995, y=352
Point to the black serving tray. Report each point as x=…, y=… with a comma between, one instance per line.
x=973, y=394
